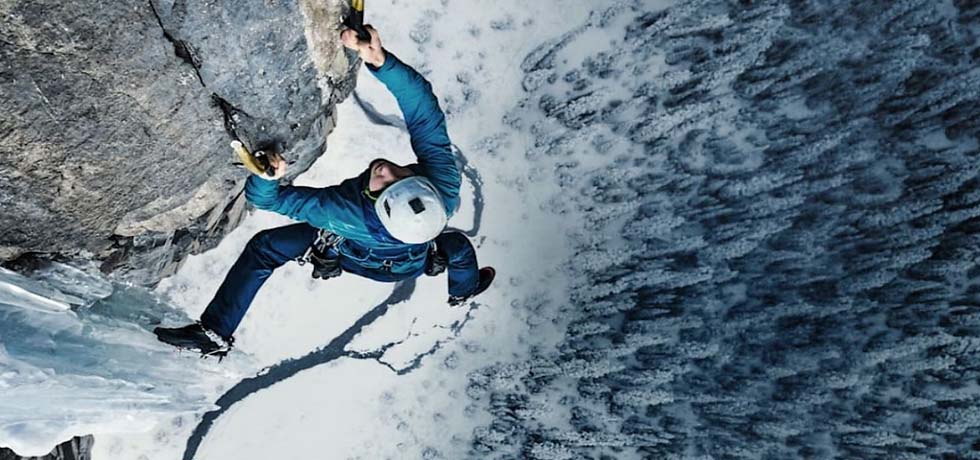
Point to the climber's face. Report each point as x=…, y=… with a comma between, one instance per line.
x=384, y=173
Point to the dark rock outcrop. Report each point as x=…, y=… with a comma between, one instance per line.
x=117, y=119
x=78, y=448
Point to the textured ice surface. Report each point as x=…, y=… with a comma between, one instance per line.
x=77, y=357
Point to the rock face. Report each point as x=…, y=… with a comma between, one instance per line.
x=117, y=119
x=78, y=448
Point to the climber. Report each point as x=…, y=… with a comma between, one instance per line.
x=387, y=224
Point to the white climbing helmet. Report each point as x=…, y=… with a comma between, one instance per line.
x=412, y=210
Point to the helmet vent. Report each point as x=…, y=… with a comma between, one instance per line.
x=412, y=210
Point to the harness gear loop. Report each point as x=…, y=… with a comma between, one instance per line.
x=436, y=262
x=325, y=265
x=324, y=240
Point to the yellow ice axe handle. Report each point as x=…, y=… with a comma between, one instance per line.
x=258, y=164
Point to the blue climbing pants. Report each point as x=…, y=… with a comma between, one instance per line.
x=270, y=249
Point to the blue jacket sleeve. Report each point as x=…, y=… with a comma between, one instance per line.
x=320, y=207
x=426, y=125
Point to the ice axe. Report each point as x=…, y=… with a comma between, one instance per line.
x=355, y=20
x=257, y=163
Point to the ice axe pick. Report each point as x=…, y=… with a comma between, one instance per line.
x=257, y=163
x=355, y=20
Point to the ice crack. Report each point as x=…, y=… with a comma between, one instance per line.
x=378, y=354
x=181, y=48
x=184, y=51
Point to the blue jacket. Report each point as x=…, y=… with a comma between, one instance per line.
x=346, y=210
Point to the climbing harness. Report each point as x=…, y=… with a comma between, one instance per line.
x=318, y=255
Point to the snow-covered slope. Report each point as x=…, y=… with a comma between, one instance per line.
x=779, y=246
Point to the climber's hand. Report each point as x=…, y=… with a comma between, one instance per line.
x=371, y=52
x=278, y=165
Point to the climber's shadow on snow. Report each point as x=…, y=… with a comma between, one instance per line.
x=337, y=348
x=290, y=367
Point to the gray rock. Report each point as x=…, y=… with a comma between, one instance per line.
x=116, y=120
x=77, y=448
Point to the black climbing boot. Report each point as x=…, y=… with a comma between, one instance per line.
x=195, y=337
x=486, y=277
